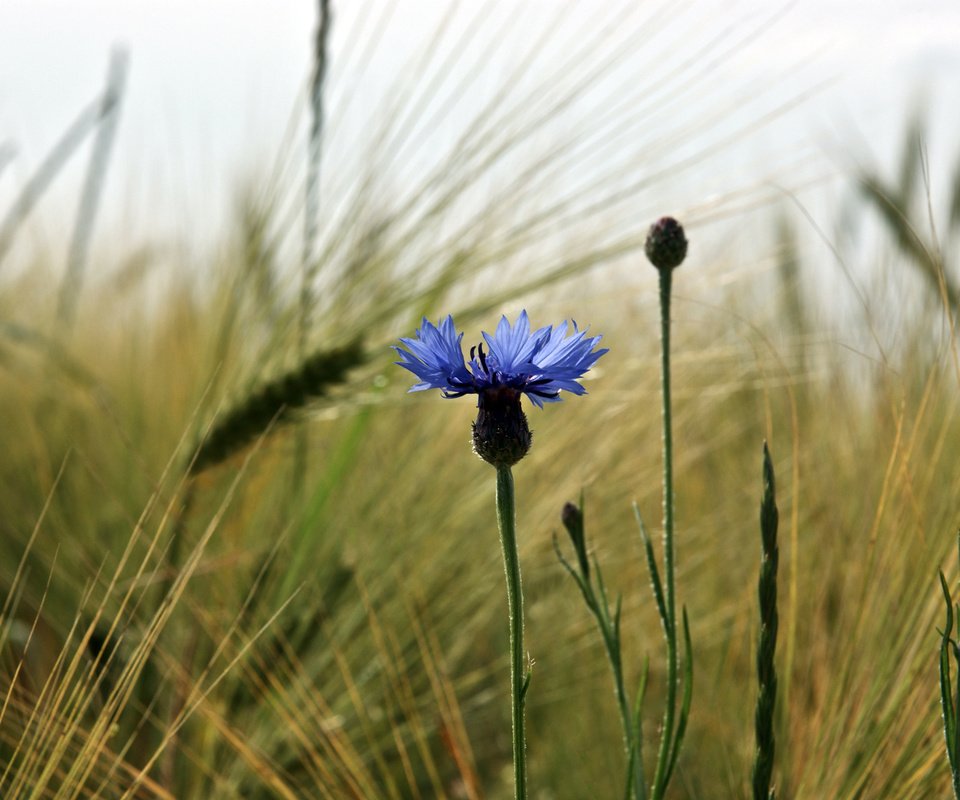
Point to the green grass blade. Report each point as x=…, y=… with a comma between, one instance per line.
x=946, y=690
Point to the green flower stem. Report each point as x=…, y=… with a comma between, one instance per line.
x=662, y=774
x=519, y=678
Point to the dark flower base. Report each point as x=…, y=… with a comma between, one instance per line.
x=501, y=435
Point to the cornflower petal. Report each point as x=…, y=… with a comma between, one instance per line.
x=435, y=356
x=513, y=347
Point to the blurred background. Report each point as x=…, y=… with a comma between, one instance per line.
x=238, y=560
x=215, y=88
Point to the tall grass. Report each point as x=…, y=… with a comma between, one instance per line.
x=171, y=631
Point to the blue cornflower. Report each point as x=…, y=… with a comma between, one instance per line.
x=540, y=365
x=537, y=364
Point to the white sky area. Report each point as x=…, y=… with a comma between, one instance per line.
x=213, y=85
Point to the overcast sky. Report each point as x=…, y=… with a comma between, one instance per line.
x=213, y=83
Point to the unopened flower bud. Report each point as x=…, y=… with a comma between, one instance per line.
x=666, y=245
x=572, y=519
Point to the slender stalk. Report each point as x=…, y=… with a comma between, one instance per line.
x=311, y=220
x=631, y=737
x=518, y=673
x=766, y=647
x=950, y=695
x=92, y=189
x=573, y=520
x=952, y=744
x=311, y=203
x=661, y=775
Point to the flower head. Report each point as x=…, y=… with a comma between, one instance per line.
x=540, y=365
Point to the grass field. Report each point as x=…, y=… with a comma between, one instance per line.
x=314, y=606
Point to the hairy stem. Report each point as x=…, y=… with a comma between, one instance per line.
x=518, y=673
x=661, y=776
x=632, y=742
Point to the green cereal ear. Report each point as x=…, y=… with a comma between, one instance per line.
x=274, y=402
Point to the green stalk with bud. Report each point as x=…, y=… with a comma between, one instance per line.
x=666, y=247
